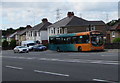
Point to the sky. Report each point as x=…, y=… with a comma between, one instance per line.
x=19, y=13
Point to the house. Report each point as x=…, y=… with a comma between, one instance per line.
x=39, y=32
x=74, y=24
x=21, y=35
x=11, y=36
x=115, y=31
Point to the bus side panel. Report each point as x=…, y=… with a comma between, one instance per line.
x=52, y=47
x=63, y=47
x=68, y=47
x=85, y=47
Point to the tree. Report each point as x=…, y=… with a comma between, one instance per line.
x=116, y=40
x=5, y=44
x=12, y=44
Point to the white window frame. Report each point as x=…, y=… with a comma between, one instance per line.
x=87, y=29
x=51, y=30
x=65, y=30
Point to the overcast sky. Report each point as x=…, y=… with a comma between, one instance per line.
x=15, y=13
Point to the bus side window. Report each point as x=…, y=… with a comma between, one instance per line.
x=58, y=40
x=79, y=39
x=52, y=40
x=65, y=40
x=86, y=39
x=74, y=40
x=69, y=40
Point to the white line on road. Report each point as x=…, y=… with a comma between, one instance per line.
x=69, y=60
x=51, y=73
x=14, y=67
x=100, y=80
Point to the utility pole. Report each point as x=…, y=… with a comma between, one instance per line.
x=58, y=14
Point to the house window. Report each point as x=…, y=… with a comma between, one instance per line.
x=92, y=28
x=63, y=30
x=87, y=29
x=35, y=33
x=54, y=30
x=113, y=33
x=31, y=33
x=58, y=31
x=38, y=33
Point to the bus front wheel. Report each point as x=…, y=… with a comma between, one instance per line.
x=79, y=49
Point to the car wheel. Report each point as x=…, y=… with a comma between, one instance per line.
x=14, y=52
x=18, y=51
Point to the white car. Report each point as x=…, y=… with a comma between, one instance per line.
x=19, y=49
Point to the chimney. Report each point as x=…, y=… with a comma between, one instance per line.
x=70, y=14
x=44, y=20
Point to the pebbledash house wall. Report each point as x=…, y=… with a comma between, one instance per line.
x=76, y=29
x=41, y=36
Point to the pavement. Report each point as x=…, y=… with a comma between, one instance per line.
x=112, y=50
x=60, y=66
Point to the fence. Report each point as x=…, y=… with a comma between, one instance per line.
x=112, y=45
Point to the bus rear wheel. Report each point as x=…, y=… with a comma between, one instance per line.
x=58, y=49
x=79, y=49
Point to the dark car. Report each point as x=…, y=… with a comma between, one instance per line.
x=39, y=48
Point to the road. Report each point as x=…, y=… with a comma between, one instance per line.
x=60, y=66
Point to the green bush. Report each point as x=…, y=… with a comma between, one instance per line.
x=12, y=44
x=5, y=44
x=116, y=40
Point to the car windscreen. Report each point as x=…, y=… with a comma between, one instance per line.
x=30, y=44
x=21, y=47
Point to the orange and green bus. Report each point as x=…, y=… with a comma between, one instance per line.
x=83, y=41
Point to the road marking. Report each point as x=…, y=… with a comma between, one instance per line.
x=30, y=58
x=69, y=60
x=14, y=67
x=100, y=80
x=109, y=55
x=51, y=73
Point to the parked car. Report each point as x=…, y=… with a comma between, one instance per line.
x=19, y=49
x=28, y=44
x=39, y=48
